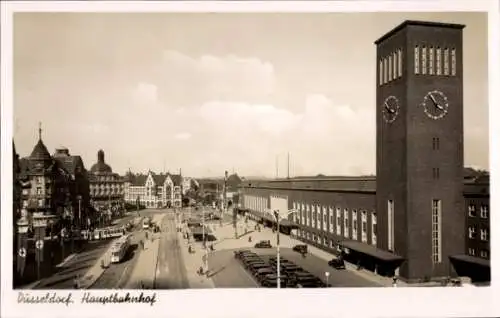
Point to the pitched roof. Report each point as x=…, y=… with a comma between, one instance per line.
x=159, y=179
x=70, y=163
x=137, y=179
x=176, y=179
x=40, y=152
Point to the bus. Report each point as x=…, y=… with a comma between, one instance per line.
x=120, y=248
x=146, y=223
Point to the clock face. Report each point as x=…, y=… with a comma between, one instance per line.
x=435, y=104
x=390, y=109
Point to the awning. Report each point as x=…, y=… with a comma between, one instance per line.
x=372, y=251
x=471, y=259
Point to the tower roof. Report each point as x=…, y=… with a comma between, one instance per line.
x=419, y=23
x=40, y=152
x=100, y=166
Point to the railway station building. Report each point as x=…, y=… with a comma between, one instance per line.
x=421, y=218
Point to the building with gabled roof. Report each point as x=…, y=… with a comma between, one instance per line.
x=153, y=190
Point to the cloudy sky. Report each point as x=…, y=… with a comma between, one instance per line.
x=214, y=92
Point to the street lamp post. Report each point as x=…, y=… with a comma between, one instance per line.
x=204, y=242
x=327, y=275
x=278, y=262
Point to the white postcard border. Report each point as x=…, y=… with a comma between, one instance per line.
x=380, y=302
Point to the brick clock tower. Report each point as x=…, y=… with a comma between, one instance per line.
x=420, y=147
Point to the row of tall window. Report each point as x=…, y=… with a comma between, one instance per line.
x=390, y=67
x=435, y=61
x=320, y=239
x=331, y=219
x=483, y=210
x=484, y=233
x=255, y=203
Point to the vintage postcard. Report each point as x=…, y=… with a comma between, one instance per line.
x=203, y=158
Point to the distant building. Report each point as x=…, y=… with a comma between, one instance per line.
x=153, y=190
x=79, y=190
x=106, y=188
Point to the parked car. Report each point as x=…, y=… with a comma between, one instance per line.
x=310, y=283
x=250, y=263
x=263, y=244
x=301, y=275
x=337, y=263
x=257, y=266
x=240, y=253
x=274, y=261
x=251, y=258
x=301, y=248
x=290, y=269
x=272, y=281
x=260, y=274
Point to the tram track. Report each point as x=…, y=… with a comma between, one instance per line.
x=117, y=274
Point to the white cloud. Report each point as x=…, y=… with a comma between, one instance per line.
x=145, y=93
x=186, y=80
x=182, y=136
x=322, y=137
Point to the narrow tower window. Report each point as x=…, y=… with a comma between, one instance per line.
x=424, y=60
x=380, y=73
x=417, y=60
x=446, y=62
x=436, y=232
x=453, y=63
x=431, y=60
x=390, y=220
x=390, y=67
x=394, y=65
x=385, y=70
x=400, y=63
x=438, y=61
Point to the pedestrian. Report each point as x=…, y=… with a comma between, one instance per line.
x=394, y=281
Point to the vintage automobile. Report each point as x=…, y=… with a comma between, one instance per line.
x=263, y=244
x=337, y=263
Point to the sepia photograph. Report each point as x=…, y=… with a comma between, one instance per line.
x=240, y=150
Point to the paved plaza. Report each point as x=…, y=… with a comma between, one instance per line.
x=166, y=263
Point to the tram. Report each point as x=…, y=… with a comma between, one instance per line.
x=120, y=248
x=109, y=232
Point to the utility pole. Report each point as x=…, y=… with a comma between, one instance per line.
x=225, y=191
x=288, y=167
x=276, y=167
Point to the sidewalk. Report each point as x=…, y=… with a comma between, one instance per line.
x=96, y=271
x=145, y=269
x=193, y=263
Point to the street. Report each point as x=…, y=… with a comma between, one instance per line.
x=79, y=263
x=165, y=263
x=171, y=271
